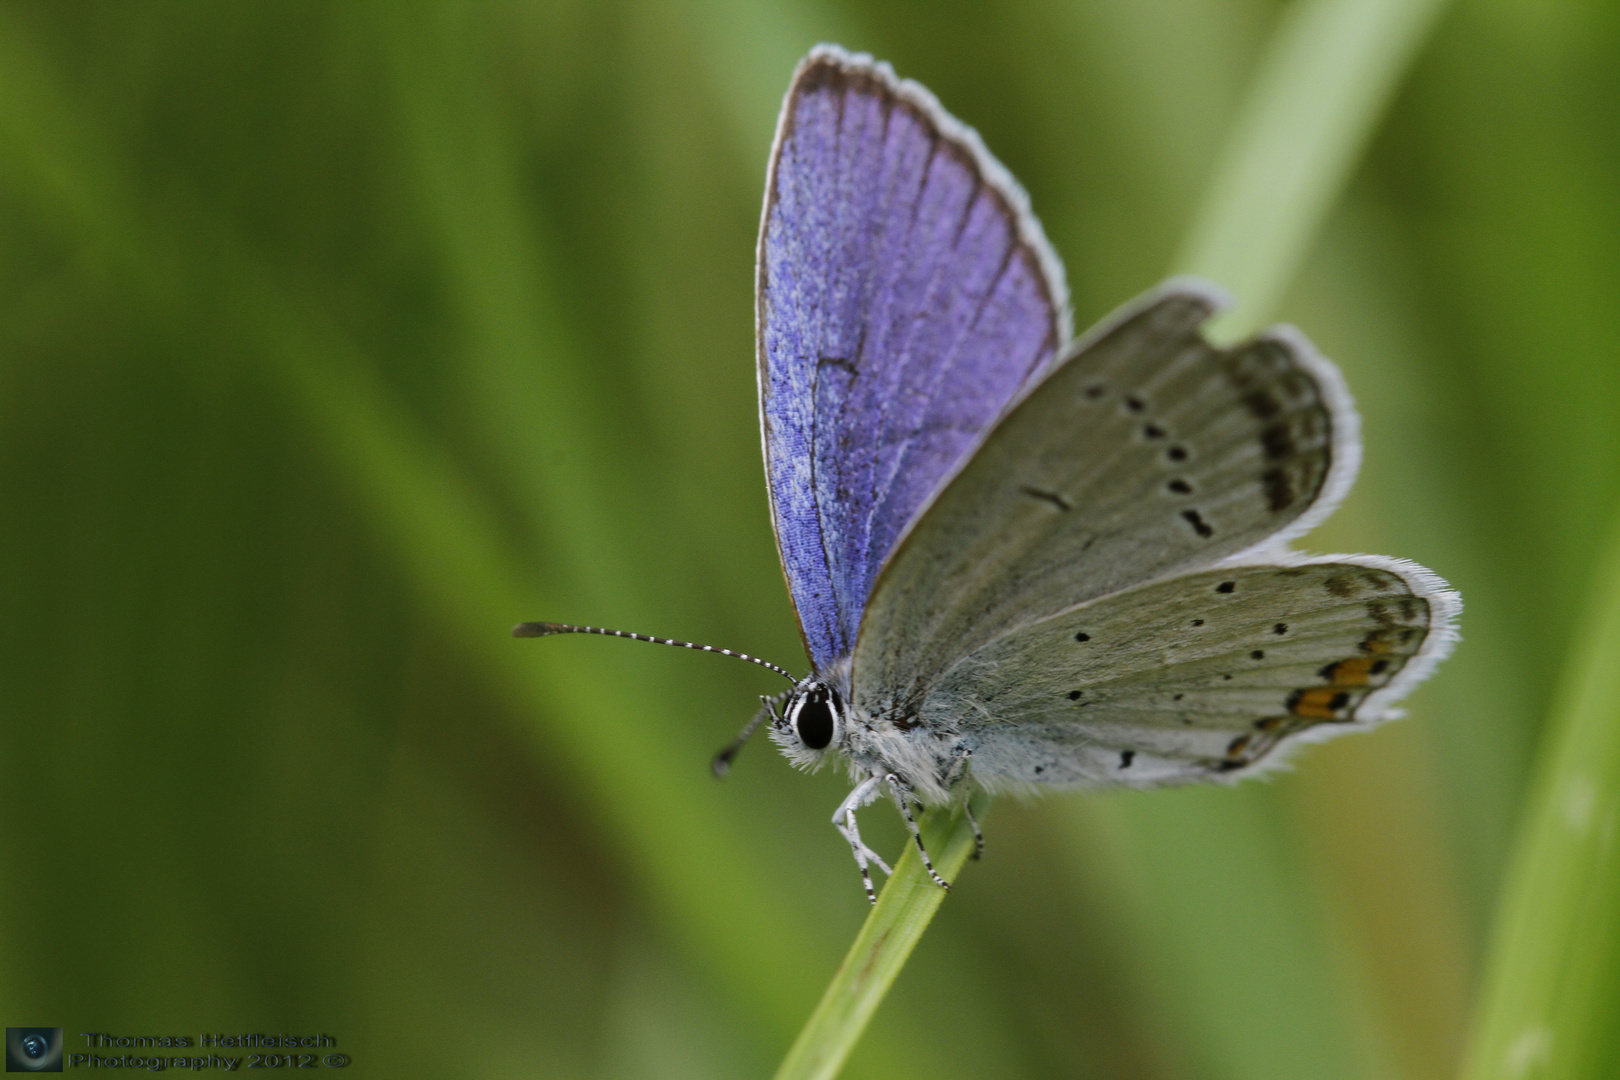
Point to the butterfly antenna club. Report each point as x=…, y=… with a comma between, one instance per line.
x=546, y=629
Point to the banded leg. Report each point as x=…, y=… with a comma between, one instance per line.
x=978, y=837
x=844, y=819
x=958, y=771
x=722, y=761
x=902, y=799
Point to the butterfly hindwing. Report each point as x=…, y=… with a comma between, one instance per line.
x=905, y=296
x=1147, y=452
x=1195, y=677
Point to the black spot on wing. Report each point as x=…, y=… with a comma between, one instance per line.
x=837, y=362
x=1048, y=497
x=1199, y=525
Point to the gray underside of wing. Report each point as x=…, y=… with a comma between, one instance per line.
x=1195, y=677
x=1148, y=452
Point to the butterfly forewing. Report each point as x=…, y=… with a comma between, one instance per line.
x=1194, y=677
x=1147, y=452
x=905, y=296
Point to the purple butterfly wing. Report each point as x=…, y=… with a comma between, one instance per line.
x=905, y=296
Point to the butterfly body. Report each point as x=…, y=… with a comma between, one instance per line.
x=928, y=759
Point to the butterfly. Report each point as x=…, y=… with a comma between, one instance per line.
x=1021, y=560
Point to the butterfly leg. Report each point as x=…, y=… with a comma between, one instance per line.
x=844, y=819
x=722, y=761
x=958, y=771
x=902, y=799
x=978, y=837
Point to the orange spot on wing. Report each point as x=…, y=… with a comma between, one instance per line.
x=1377, y=643
x=1318, y=702
x=1352, y=672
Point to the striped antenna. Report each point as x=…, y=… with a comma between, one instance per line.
x=546, y=629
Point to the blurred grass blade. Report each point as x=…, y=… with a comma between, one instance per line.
x=187, y=266
x=1315, y=101
x=523, y=374
x=1551, y=991
x=904, y=910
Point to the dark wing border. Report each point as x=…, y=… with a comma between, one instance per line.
x=1445, y=606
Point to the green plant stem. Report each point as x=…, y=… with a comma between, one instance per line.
x=903, y=911
x=1318, y=94
x=1548, y=1006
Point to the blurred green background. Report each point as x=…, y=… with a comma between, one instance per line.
x=336, y=338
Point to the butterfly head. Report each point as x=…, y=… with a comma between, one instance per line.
x=811, y=723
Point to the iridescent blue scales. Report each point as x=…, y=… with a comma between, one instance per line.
x=905, y=295
x=1020, y=560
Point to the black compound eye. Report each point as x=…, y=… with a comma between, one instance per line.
x=814, y=722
